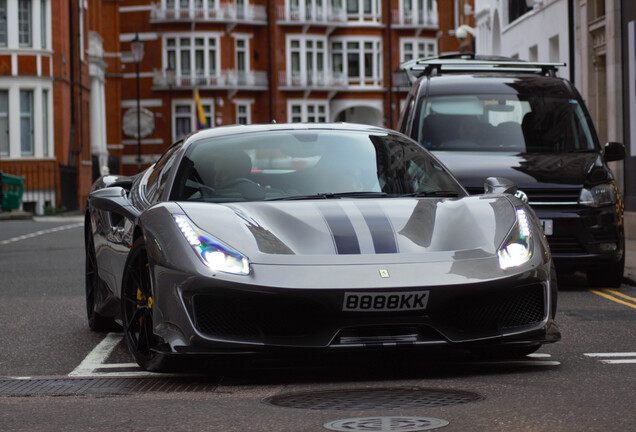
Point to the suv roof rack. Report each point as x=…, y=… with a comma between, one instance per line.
x=460, y=62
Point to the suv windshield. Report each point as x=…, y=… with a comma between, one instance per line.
x=507, y=123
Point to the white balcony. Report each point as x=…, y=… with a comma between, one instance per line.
x=226, y=13
x=326, y=15
x=415, y=19
x=327, y=81
x=226, y=80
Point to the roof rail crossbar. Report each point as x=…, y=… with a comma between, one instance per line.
x=436, y=65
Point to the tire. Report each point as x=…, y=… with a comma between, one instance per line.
x=137, y=313
x=96, y=321
x=608, y=276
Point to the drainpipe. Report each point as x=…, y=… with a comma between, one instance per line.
x=571, y=38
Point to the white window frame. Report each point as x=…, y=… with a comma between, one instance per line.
x=41, y=131
x=307, y=110
x=306, y=10
x=419, y=12
x=366, y=10
x=308, y=48
x=361, y=80
x=245, y=104
x=208, y=107
x=209, y=75
x=417, y=51
x=39, y=22
x=4, y=114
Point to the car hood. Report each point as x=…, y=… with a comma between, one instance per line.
x=341, y=231
x=528, y=171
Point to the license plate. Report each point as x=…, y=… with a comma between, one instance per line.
x=385, y=302
x=546, y=224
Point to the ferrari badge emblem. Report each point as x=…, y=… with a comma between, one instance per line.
x=384, y=273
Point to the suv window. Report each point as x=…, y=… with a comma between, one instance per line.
x=517, y=123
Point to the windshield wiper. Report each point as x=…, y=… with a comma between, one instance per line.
x=440, y=193
x=330, y=195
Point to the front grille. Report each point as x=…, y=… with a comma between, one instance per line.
x=522, y=307
x=256, y=317
x=565, y=244
x=387, y=335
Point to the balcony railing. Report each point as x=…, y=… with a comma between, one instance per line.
x=226, y=13
x=228, y=79
x=325, y=81
x=414, y=19
x=326, y=15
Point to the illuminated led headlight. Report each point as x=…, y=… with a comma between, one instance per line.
x=213, y=254
x=517, y=249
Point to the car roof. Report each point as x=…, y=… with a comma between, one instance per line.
x=272, y=127
x=496, y=83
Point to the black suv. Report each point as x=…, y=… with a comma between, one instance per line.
x=501, y=117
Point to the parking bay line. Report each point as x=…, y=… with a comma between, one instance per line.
x=94, y=362
x=612, y=298
x=614, y=358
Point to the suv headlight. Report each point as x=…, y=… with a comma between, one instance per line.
x=517, y=248
x=213, y=254
x=600, y=195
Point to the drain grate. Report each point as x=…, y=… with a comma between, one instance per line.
x=379, y=398
x=100, y=386
x=386, y=424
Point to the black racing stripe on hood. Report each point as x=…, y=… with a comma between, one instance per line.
x=381, y=229
x=341, y=229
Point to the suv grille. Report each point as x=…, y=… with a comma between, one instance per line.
x=541, y=197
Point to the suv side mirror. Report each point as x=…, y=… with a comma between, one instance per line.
x=614, y=151
x=499, y=185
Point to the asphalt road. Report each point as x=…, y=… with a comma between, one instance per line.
x=57, y=375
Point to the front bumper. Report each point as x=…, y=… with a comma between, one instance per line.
x=197, y=314
x=584, y=236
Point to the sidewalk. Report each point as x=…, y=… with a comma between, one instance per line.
x=15, y=214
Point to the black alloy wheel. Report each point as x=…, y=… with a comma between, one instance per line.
x=96, y=321
x=136, y=309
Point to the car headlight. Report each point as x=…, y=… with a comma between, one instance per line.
x=600, y=195
x=517, y=248
x=213, y=254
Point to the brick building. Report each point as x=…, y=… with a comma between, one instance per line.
x=45, y=98
x=261, y=61
x=68, y=78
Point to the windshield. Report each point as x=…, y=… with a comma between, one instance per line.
x=310, y=164
x=507, y=123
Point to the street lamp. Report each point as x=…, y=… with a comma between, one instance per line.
x=170, y=80
x=137, y=51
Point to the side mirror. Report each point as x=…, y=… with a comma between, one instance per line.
x=614, y=151
x=499, y=185
x=113, y=199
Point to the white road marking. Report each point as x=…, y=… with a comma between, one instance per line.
x=97, y=356
x=618, y=354
x=41, y=232
x=614, y=358
x=93, y=365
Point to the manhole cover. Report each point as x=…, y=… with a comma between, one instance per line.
x=378, y=398
x=386, y=424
